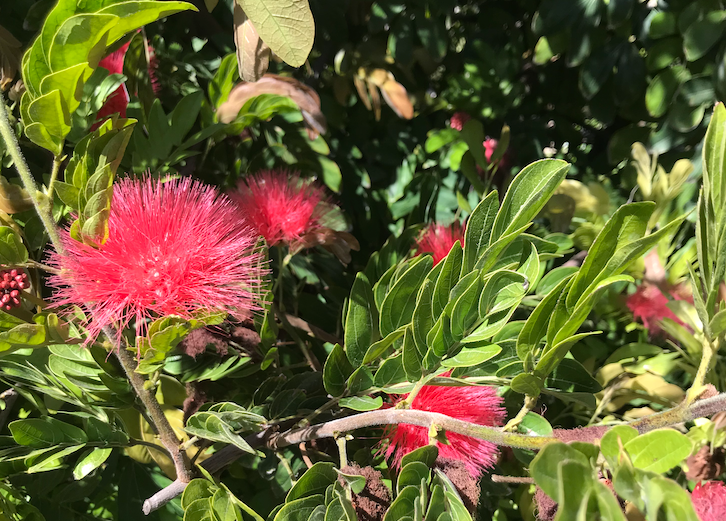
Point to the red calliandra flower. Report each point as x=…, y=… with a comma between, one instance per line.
x=458, y=120
x=709, y=501
x=490, y=145
x=438, y=239
x=649, y=305
x=474, y=404
x=119, y=99
x=173, y=248
x=281, y=206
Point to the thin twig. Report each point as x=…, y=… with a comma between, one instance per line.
x=42, y=208
x=219, y=460
x=498, y=478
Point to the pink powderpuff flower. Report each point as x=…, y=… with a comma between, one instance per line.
x=474, y=404
x=649, y=305
x=709, y=501
x=458, y=120
x=490, y=145
x=438, y=239
x=280, y=206
x=173, y=248
x=119, y=99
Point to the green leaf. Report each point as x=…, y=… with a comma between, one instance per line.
x=69, y=82
x=615, y=438
x=362, y=403
x=286, y=26
x=315, y=480
x=412, y=474
x=391, y=372
x=137, y=14
x=412, y=357
x=426, y=455
x=471, y=356
x=527, y=194
x=361, y=380
x=534, y=425
x=478, y=231
x=356, y=482
x=222, y=421
x=473, y=135
x=571, y=376
x=336, y=371
x=526, y=383
x=399, y=303
x=46, y=432
x=380, y=347
x=447, y=279
x=576, y=484
x=619, y=244
x=404, y=504
x=659, y=450
x=80, y=38
x=465, y=308
x=703, y=34
x=544, y=467
x=662, y=23
x=197, y=489
x=90, y=461
x=300, y=509
x=423, y=319
x=361, y=321
x=536, y=325
x=51, y=112
x=12, y=250
x=662, y=89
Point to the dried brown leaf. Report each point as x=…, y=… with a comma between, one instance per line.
x=305, y=97
x=397, y=98
x=13, y=198
x=253, y=55
x=10, y=53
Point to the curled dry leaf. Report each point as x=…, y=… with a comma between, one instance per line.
x=305, y=98
x=253, y=55
x=10, y=53
x=336, y=242
x=394, y=94
x=13, y=198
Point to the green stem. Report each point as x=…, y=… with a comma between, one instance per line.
x=57, y=160
x=529, y=403
x=707, y=358
x=167, y=436
x=42, y=208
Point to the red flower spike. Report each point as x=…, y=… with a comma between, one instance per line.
x=282, y=207
x=475, y=404
x=438, y=239
x=174, y=247
x=709, y=501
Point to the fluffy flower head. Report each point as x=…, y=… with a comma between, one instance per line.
x=174, y=247
x=709, y=501
x=475, y=404
x=438, y=239
x=281, y=207
x=649, y=305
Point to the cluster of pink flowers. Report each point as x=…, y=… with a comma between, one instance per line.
x=709, y=501
x=438, y=239
x=475, y=404
x=649, y=305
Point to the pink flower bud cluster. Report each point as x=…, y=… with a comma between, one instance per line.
x=12, y=282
